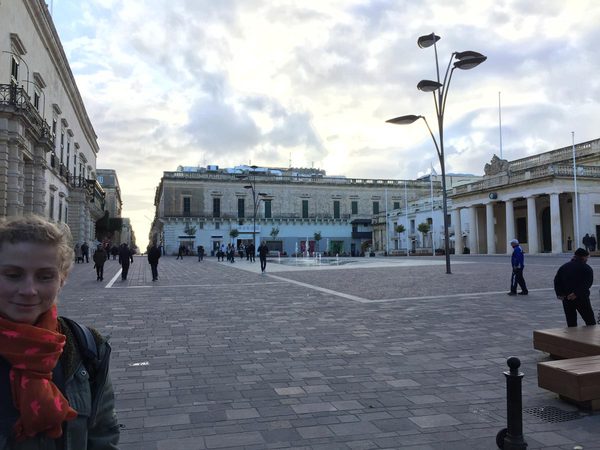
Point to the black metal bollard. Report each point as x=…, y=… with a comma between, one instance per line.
x=511, y=438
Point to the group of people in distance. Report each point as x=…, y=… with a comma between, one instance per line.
x=101, y=256
x=572, y=284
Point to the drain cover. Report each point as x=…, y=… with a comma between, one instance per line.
x=553, y=414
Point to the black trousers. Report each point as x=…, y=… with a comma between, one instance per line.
x=581, y=305
x=125, y=271
x=517, y=278
x=154, y=269
x=100, y=271
x=263, y=263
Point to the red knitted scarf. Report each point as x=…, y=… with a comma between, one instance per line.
x=33, y=352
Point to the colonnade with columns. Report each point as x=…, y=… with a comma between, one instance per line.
x=545, y=220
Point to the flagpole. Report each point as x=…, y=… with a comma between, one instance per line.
x=500, y=122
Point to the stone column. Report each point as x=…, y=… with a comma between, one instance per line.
x=458, y=242
x=489, y=222
x=13, y=208
x=3, y=173
x=28, y=187
x=510, y=224
x=555, y=224
x=473, y=240
x=532, y=229
x=39, y=181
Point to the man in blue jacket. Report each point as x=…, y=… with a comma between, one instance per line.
x=518, y=264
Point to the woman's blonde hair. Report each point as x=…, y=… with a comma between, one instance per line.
x=37, y=229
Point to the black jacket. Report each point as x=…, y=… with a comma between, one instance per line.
x=574, y=276
x=153, y=255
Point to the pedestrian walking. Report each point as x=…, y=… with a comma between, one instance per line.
x=518, y=264
x=200, y=252
x=572, y=285
x=85, y=252
x=592, y=243
x=47, y=398
x=586, y=242
x=180, y=252
x=78, y=254
x=252, y=252
x=114, y=251
x=154, y=254
x=125, y=258
x=263, y=251
x=99, y=258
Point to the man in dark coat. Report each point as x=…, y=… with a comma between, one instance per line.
x=85, y=252
x=572, y=285
x=100, y=257
x=263, y=251
x=153, y=257
x=125, y=258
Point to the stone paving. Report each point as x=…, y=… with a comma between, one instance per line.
x=382, y=353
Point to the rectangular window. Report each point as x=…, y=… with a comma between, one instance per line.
x=60, y=207
x=596, y=209
x=375, y=207
x=68, y=154
x=217, y=225
x=396, y=205
x=51, y=207
x=241, y=208
x=216, y=207
x=54, y=123
x=305, y=209
x=354, y=207
x=187, y=206
x=14, y=70
x=36, y=100
x=268, y=212
x=412, y=226
x=336, y=209
x=66, y=213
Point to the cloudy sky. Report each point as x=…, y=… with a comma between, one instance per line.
x=311, y=83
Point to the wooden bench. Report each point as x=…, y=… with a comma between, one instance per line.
x=575, y=380
x=571, y=342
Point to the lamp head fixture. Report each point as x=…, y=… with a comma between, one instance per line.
x=428, y=40
x=404, y=120
x=468, y=60
x=429, y=85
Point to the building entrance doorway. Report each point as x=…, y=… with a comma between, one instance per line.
x=546, y=231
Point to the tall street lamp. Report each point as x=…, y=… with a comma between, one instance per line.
x=256, y=198
x=462, y=60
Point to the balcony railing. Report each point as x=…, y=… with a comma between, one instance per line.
x=16, y=97
x=549, y=170
x=289, y=179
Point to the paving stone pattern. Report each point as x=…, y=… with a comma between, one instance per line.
x=217, y=356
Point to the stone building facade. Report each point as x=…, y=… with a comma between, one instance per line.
x=48, y=146
x=203, y=207
x=113, y=226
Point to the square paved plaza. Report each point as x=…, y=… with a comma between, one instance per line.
x=379, y=353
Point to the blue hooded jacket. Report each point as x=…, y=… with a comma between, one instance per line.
x=517, y=259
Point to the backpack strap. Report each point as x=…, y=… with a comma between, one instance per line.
x=85, y=339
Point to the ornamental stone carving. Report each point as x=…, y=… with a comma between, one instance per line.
x=496, y=166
